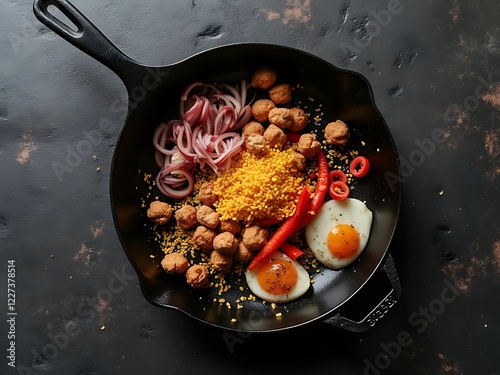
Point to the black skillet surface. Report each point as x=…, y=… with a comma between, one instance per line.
x=154, y=97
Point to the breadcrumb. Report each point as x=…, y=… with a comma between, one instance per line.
x=259, y=187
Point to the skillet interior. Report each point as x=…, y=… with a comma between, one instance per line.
x=344, y=95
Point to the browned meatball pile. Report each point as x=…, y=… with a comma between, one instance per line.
x=281, y=94
x=225, y=241
x=206, y=194
x=261, y=108
x=159, y=212
x=272, y=117
x=197, y=276
x=281, y=117
x=337, y=133
x=308, y=145
x=300, y=119
x=186, y=216
x=175, y=263
x=264, y=77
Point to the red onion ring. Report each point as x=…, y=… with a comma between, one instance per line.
x=168, y=190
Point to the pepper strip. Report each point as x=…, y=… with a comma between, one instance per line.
x=268, y=222
x=290, y=250
x=322, y=185
x=288, y=228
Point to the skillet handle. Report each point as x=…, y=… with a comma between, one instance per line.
x=87, y=37
x=379, y=311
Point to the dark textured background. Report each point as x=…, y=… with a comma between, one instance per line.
x=433, y=67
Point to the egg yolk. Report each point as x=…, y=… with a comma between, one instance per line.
x=343, y=241
x=277, y=276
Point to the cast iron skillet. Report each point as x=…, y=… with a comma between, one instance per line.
x=154, y=97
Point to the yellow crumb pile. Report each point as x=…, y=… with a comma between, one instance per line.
x=259, y=187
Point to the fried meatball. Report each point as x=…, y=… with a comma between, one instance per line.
x=207, y=216
x=251, y=128
x=255, y=144
x=299, y=161
x=206, y=194
x=203, y=238
x=186, y=216
x=300, y=119
x=159, y=212
x=231, y=226
x=281, y=94
x=281, y=117
x=308, y=145
x=220, y=262
x=197, y=276
x=274, y=136
x=337, y=133
x=174, y=263
x=263, y=78
x=260, y=109
x=243, y=253
x=254, y=237
x=225, y=243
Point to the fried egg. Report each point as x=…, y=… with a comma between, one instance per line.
x=278, y=279
x=339, y=232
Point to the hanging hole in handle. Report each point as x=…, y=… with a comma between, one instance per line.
x=358, y=307
x=63, y=20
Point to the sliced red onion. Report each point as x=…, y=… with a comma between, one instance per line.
x=234, y=91
x=230, y=101
x=161, y=137
x=193, y=114
x=204, y=134
x=188, y=89
x=243, y=95
x=159, y=159
x=168, y=190
x=245, y=116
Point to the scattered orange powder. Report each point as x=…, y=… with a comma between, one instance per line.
x=259, y=187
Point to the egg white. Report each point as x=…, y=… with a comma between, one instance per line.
x=349, y=211
x=302, y=285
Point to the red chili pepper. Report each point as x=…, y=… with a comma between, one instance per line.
x=338, y=175
x=312, y=176
x=293, y=137
x=288, y=228
x=359, y=166
x=322, y=185
x=268, y=222
x=339, y=190
x=291, y=251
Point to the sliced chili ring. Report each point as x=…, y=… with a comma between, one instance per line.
x=359, y=166
x=339, y=190
x=338, y=175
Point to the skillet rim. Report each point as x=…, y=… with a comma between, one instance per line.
x=398, y=187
